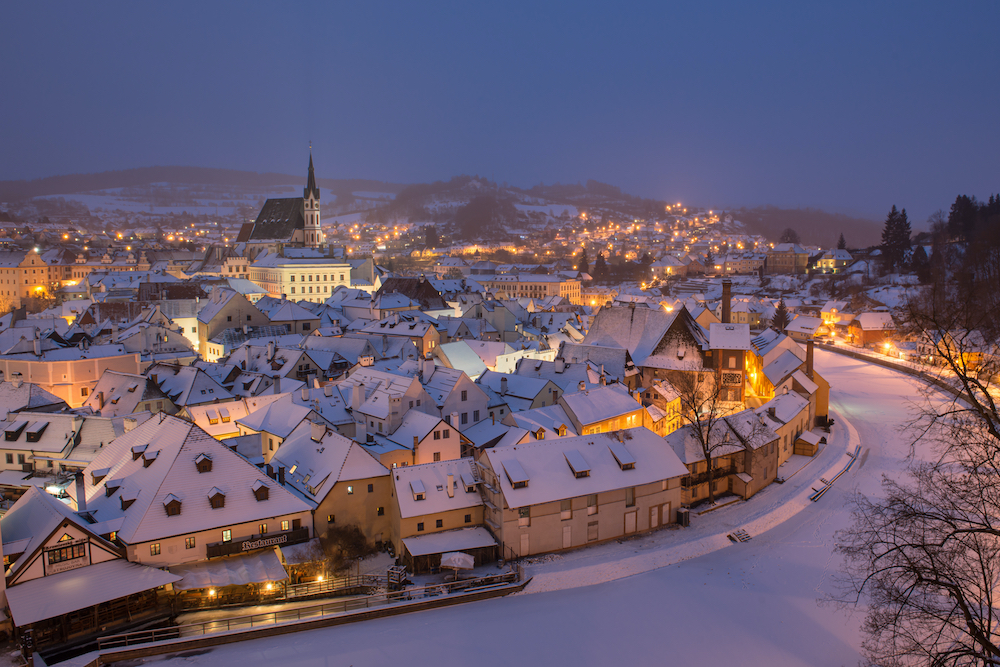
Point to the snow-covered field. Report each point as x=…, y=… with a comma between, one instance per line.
x=753, y=603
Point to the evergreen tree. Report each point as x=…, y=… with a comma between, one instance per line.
x=600, y=268
x=841, y=242
x=709, y=260
x=781, y=318
x=583, y=264
x=895, y=239
x=921, y=265
x=790, y=236
x=431, y=236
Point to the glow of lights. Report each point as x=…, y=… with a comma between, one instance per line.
x=319, y=578
x=211, y=592
x=268, y=587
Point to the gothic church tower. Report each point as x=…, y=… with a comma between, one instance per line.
x=310, y=204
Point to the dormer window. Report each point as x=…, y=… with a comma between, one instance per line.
x=216, y=498
x=98, y=475
x=137, y=451
x=172, y=504
x=110, y=488
x=149, y=457
x=261, y=491
x=203, y=463
x=127, y=502
x=418, y=490
x=213, y=416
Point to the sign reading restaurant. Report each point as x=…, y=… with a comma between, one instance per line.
x=293, y=536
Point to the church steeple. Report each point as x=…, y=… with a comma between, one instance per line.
x=311, y=191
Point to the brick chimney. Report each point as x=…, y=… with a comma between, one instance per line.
x=727, y=300
x=809, y=359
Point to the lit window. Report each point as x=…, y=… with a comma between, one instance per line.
x=284, y=525
x=154, y=549
x=189, y=543
x=227, y=535
x=350, y=490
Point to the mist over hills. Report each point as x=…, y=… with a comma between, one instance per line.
x=445, y=200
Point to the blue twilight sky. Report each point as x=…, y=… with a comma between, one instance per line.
x=850, y=106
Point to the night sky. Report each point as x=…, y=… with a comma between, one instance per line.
x=851, y=107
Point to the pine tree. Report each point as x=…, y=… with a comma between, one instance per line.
x=600, y=268
x=895, y=239
x=709, y=260
x=842, y=242
x=583, y=264
x=781, y=318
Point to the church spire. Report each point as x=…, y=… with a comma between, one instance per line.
x=311, y=189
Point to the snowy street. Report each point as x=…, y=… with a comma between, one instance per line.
x=752, y=603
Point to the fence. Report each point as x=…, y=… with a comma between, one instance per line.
x=276, y=617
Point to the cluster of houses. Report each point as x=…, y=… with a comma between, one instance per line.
x=183, y=443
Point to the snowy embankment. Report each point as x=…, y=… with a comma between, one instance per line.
x=708, y=532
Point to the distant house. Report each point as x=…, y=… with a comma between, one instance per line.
x=803, y=327
x=834, y=261
x=787, y=258
x=869, y=329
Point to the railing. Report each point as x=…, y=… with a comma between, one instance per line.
x=703, y=477
x=311, y=612
x=335, y=584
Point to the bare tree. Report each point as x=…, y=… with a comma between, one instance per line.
x=925, y=559
x=702, y=406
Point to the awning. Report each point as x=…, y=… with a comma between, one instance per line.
x=449, y=540
x=58, y=594
x=231, y=571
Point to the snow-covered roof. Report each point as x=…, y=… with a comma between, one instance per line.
x=176, y=443
x=601, y=403
x=729, y=336
x=804, y=324
x=549, y=477
x=875, y=321
x=459, y=539
x=433, y=479
x=779, y=369
x=279, y=417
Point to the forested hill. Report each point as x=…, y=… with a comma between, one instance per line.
x=74, y=183
x=815, y=227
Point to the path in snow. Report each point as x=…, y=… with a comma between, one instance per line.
x=753, y=603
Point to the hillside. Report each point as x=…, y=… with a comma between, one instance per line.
x=13, y=191
x=813, y=225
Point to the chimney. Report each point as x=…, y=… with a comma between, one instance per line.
x=560, y=364
x=582, y=386
x=809, y=358
x=604, y=380
x=328, y=390
x=15, y=381
x=277, y=384
x=305, y=393
x=318, y=431
x=361, y=432
x=357, y=396
x=38, y=344
x=153, y=377
x=100, y=400
x=81, y=496
x=451, y=485
x=131, y=423
x=771, y=413
x=503, y=386
x=428, y=368
x=270, y=350
x=281, y=475
x=416, y=441
x=454, y=420
x=727, y=300
x=270, y=471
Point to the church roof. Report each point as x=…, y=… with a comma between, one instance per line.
x=311, y=183
x=278, y=219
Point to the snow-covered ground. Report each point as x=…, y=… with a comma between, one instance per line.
x=752, y=603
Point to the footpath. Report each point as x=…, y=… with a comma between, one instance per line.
x=708, y=532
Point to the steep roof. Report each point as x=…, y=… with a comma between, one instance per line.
x=278, y=219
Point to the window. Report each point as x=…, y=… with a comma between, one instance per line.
x=350, y=490
x=227, y=535
x=293, y=279
x=420, y=527
x=189, y=543
x=371, y=488
x=468, y=518
x=284, y=525
x=229, y=318
x=67, y=553
x=439, y=523
x=10, y=458
x=732, y=362
x=262, y=529
x=630, y=497
x=437, y=435
x=380, y=511
x=465, y=395
x=411, y=405
x=84, y=391
x=418, y=402
x=524, y=516
x=465, y=417
x=592, y=504
x=20, y=459
x=446, y=434
x=248, y=318
x=475, y=415
x=566, y=510
x=270, y=444
x=437, y=456
x=154, y=549
x=293, y=289
x=331, y=518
